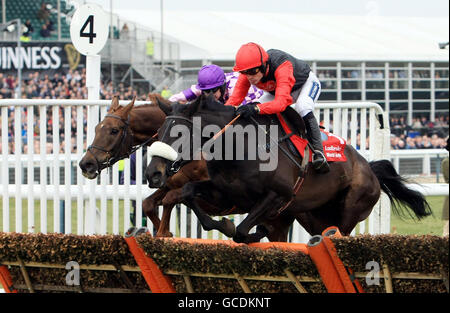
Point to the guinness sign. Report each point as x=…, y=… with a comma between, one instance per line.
x=40, y=56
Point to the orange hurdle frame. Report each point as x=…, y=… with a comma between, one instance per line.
x=334, y=274
x=155, y=278
x=6, y=280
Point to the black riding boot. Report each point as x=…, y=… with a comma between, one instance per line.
x=319, y=162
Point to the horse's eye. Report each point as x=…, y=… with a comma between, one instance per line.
x=114, y=131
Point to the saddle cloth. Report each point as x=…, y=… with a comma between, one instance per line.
x=333, y=146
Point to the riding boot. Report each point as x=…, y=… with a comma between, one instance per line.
x=319, y=162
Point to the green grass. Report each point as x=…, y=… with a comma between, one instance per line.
x=405, y=226
x=50, y=214
x=431, y=225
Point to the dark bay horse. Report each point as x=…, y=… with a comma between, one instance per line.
x=122, y=130
x=343, y=197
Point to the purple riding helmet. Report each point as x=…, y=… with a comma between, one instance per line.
x=210, y=76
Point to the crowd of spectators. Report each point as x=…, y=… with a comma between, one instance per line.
x=47, y=25
x=70, y=85
x=351, y=78
x=421, y=134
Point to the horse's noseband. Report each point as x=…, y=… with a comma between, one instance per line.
x=175, y=167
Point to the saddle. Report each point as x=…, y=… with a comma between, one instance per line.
x=294, y=129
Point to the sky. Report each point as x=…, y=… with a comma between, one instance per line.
x=412, y=8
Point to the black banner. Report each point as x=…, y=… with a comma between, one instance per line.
x=40, y=56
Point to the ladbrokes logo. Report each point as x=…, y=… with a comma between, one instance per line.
x=73, y=56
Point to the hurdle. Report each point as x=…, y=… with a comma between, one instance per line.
x=140, y=263
x=335, y=276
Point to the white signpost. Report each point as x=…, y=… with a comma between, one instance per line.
x=89, y=31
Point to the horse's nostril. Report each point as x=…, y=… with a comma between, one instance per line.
x=156, y=177
x=88, y=167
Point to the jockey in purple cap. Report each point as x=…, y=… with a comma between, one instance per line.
x=211, y=78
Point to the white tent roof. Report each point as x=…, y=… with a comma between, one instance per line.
x=218, y=35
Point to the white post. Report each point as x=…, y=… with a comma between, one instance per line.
x=5, y=169
x=93, y=85
x=383, y=150
x=93, y=76
x=410, y=93
x=432, y=95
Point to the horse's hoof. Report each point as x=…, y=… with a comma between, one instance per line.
x=228, y=227
x=131, y=232
x=238, y=239
x=164, y=234
x=142, y=230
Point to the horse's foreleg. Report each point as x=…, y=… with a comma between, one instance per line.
x=150, y=206
x=171, y=198
x=206, y=191
x=242, y=230
x=260, y=233
x=279, y=228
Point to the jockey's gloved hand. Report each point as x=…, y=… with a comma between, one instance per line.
x=247, y=110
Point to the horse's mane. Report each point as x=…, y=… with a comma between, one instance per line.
x=211, y=104
x=204, y=103
x=153, y=97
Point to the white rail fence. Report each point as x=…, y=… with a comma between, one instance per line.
x=44, y=191
x=418, y=161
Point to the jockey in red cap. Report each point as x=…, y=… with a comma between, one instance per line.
x=286, y=81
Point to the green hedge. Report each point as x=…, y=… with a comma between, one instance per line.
x=224, y=259
x=402, y=254
x=61, y=249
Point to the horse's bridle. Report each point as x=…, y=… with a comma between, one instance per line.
x=177, y=164
x=113, y=153
x=112, y=158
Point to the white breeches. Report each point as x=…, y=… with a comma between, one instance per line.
x=307, y=98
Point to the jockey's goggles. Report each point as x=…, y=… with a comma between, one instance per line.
x=213, y=90
x=251, y=71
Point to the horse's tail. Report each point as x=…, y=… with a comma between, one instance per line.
x=399, y=194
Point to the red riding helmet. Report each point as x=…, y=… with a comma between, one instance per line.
x=249, y=56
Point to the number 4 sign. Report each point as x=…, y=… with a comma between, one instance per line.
x=91, y=35
x=89, y=29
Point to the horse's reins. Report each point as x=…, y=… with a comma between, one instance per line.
x=225, y=128
x=111, y=158
x=302, y=167
x=290, y=157
x=177, y=164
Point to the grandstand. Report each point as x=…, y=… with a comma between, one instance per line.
x=394, y=61
x=124, y=58
x=27, y=10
